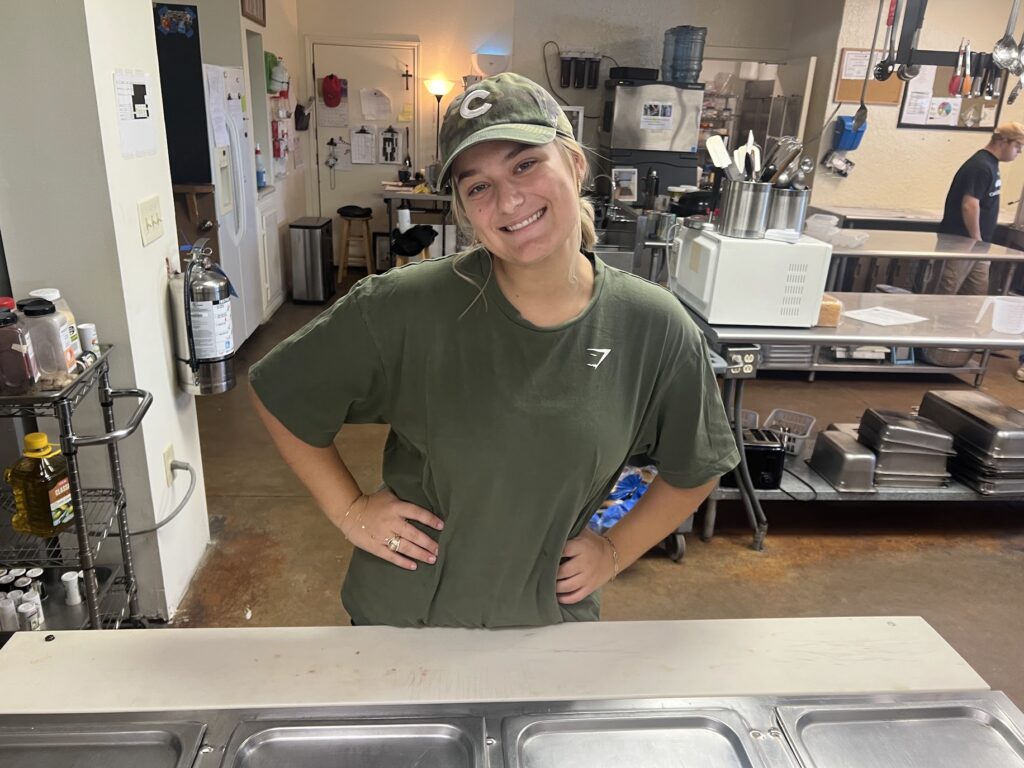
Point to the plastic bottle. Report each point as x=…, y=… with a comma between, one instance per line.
x=18, y=369
x=53, y=294
x=42, y=491
x=261, y=169
x=51, y=341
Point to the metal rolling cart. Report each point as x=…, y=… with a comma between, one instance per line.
x=111, y=594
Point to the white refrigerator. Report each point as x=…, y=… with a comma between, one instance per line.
x=234, y=189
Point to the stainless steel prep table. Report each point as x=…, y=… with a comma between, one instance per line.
x=920, y=246
x=950, y=323
x=440, y=204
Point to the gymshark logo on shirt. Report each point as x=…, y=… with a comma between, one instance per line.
x=594, y=353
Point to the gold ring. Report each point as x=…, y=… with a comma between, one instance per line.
x=393, y=542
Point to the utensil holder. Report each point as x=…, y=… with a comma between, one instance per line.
x=788, y=209
x=745, y=207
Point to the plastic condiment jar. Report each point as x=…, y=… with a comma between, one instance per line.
x=53, y=294
x=18, y=369
x=51, y=341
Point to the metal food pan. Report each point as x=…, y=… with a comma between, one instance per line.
x=875, y=442
x=895, y=480
x=897, y=427
x=438, y=744
x=979, y=420
x=977, y=456
x=699, y=738
x=901, y=463
x=964, y=734
x=115, y=745
x=994, y=487
x=843, y=462
x=968, y=468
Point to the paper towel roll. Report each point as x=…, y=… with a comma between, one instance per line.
x=404, y=219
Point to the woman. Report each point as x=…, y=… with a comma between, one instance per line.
x=517, y=377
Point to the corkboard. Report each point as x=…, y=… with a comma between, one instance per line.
x=848, y=90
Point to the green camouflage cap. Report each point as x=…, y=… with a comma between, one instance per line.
x=506, y=107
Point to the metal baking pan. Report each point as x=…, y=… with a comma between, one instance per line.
x=700, y=738
x=967, y=733
x=843, y=462
x=903, y=463
x=979, y=420
x=897, y=427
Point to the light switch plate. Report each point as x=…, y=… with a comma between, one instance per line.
x=151, y=223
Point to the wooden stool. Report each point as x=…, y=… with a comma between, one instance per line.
x=360, y=216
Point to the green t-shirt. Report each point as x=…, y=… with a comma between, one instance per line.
x=510, y=433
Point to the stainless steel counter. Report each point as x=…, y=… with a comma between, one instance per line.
x=894, y=244
x=919, y=246
x=950, y=323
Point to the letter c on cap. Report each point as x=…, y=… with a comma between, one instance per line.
x=468, y=111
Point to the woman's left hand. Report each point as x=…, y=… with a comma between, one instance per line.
x=588, y=565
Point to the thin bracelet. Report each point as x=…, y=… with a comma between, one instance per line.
x=349, y=512
x=615, y=554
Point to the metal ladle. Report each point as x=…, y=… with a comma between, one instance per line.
x=1006, y=51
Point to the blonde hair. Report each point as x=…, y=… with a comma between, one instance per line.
x=575, y=156
x=1010, y=132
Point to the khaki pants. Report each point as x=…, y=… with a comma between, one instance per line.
x=966, y=278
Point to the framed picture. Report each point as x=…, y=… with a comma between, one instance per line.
x=624, y=184
x=255, y=10
x=382, y=250
x=575, y=115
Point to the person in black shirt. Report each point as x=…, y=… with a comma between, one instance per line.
x=972, y=207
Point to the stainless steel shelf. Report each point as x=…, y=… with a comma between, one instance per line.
x=41, y=404
x=820, y=490
x=869, y=367
x=62, y=551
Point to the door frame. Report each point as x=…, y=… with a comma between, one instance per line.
x=313, y=145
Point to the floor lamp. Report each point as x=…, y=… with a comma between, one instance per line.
x=439, y=89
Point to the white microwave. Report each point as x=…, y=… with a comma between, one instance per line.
x=733, y=281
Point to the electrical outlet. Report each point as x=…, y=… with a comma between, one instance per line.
x=741, y=361
x=151, y=223
x=168, y=458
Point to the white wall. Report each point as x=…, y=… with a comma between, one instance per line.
x=68, y=217
x=816, y=26
x=907, y=168
x=633, y=33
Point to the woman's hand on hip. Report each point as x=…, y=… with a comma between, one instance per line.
x=588, y=564
x=380, y=524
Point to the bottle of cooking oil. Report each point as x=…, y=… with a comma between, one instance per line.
x=42, y=493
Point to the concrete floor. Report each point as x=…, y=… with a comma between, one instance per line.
x=275, y=560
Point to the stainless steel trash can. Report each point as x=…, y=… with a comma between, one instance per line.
x=312, y=260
